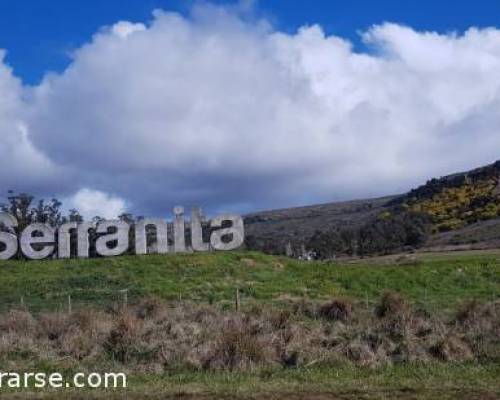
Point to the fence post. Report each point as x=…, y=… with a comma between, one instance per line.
x=69, y=304
x=22, y=301
x=125, y=297
x=237, y=302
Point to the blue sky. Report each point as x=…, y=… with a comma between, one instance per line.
x=243, y=106
x=39, y=34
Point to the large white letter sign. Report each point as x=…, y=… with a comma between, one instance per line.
x=111, y=238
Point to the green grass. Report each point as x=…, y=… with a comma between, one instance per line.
x=436, y=381
x=349, y=381
x=438, y=281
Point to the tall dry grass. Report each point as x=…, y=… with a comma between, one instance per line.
x=154, y=336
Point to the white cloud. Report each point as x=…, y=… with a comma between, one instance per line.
x=123, y=29
x=215, y=110
x=18, y=156
x=91, y=203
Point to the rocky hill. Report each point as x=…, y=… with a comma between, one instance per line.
x=463, y=210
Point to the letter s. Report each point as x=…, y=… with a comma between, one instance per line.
x=6, y=237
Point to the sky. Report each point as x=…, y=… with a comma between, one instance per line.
x=138, y=106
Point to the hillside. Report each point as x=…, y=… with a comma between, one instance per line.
x=458, y=200
x=297, y=224
x=463, y=209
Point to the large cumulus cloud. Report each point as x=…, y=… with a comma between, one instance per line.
x=216, y=110
x=21, y=164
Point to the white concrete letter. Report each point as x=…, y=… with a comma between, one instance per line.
x=47, y=239
x=141, y=236
x=121, y=236
x=179, y=240
x=64, y=239
x=83, y=238
x=9, y=239
x=236, y=230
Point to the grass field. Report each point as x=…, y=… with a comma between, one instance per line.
x=435, y=280
x=438, y=283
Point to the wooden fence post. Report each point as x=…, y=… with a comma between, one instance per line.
x=237, y=302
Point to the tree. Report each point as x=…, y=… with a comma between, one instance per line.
x=19, y=205
x=74, y=216
x=327, y=244
x=385, y=234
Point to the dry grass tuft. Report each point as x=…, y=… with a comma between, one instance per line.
x=155, y=336
x=237, y=347
x=391, y=305
x=336, y=310
x=451, y=349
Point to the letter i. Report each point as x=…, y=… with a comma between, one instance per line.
x=179, y=240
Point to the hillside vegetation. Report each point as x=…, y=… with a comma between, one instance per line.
x=458, y=200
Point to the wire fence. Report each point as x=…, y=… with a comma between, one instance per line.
x=113, y=299
x=69, y=302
